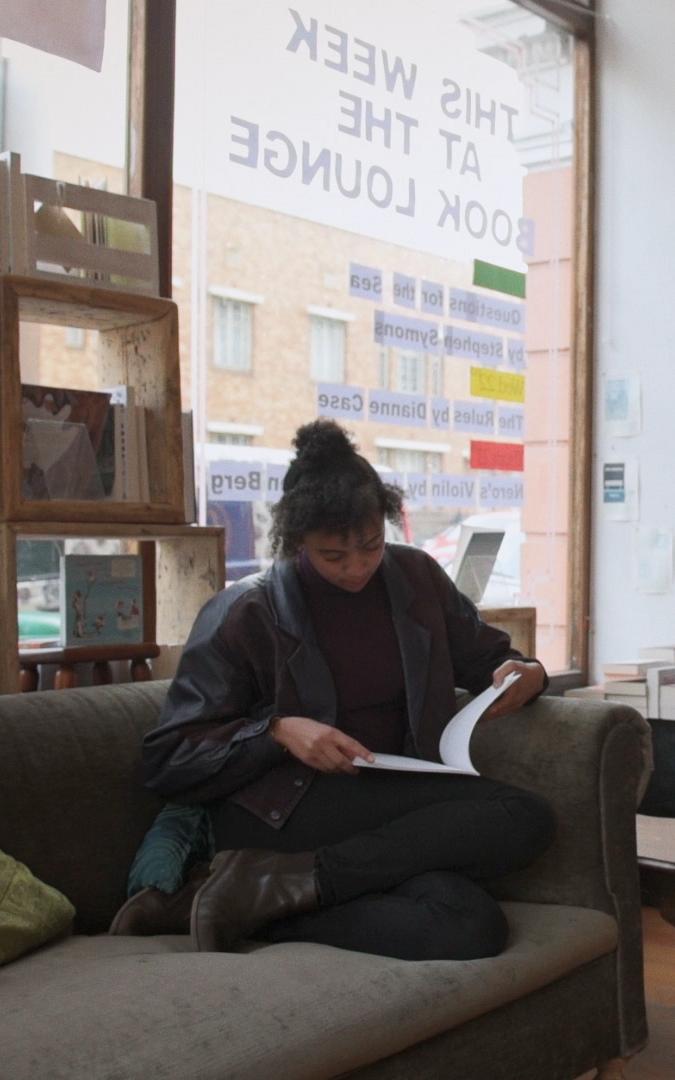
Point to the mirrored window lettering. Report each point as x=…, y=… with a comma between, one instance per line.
x=430, y=207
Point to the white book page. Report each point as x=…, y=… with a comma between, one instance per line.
x=454, y=742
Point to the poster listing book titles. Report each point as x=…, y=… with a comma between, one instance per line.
x=252, y=481
x=496, y=383
x=101, y=600
x=494, y=411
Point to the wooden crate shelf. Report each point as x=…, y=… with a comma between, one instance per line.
x=519, y=622
x=184, y=565
x=138, y=346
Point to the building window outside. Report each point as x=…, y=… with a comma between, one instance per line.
x=328, y=340
x=410, y=461
x=411, y=373
x=231, y=433
x=383, y=366
x=230, y=438
x=437, y=376
x=232, y=334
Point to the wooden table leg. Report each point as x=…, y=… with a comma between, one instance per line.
x=101, y=673
x=140, y=671
x=65, y=678
x=29, y=678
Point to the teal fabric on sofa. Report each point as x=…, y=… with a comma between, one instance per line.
x=179, y=837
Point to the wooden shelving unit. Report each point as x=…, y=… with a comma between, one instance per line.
x=519, y=622
x=183, y=564
x=138, y=346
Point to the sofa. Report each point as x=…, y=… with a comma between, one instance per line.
x=565, y=996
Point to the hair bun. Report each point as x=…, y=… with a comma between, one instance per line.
x=321, y=442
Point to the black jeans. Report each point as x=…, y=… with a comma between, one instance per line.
x=399, y=858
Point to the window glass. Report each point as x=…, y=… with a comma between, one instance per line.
x=66, y=121
x=328, y=349
x=398, y=192
x=230, y=438
x=411, y=371
x=233, y=321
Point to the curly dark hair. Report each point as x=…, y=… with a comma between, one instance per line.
x=329, y=486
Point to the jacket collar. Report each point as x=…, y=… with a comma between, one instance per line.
x=306, y=663
x=308, y=667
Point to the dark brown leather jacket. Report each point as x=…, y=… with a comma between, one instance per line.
x=252, y=655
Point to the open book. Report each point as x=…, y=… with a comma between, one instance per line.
x=454, y=743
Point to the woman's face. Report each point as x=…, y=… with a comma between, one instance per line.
x=347, y=560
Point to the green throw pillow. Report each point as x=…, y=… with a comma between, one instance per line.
x=30, y=911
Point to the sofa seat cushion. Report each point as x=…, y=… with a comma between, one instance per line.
x=106, y=1007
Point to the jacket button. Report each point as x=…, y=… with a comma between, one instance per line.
x=275, y=815
x=298, y=782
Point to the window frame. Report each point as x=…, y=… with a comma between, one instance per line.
x=325, y=317
x=407, y=364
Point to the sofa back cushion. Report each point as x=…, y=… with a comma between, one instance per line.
x=72, y=806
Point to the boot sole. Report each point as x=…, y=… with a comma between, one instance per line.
x=125, y=907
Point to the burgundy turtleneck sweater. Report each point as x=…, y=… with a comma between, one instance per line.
x=355, y=633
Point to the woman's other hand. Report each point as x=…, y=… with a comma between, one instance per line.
x=318, y=745
x=531, y=682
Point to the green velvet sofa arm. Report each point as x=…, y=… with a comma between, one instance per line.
x=591, y=761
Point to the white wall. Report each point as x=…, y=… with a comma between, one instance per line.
x=635, y=311
x=54, y=104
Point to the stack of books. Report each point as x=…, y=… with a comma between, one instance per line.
x=626, y=682
x=646, y=683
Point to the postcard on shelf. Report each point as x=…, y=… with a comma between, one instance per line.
x=101, y=600
x=59, y=462
x=68, y=444
x=454, y=743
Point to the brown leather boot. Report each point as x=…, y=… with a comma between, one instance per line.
x=152, y=911
x=248, y=889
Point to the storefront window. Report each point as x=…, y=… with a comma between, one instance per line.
x=398, y=195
